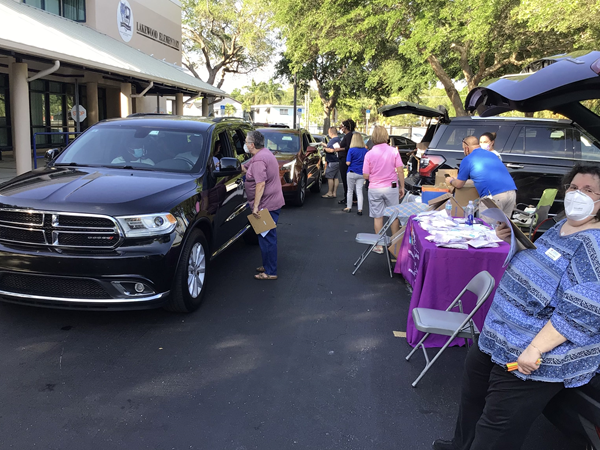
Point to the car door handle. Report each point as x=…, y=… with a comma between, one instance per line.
x=515, y=166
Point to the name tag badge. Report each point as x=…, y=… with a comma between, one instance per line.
x=552, y=254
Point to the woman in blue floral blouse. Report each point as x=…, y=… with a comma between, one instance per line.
x=546, y=317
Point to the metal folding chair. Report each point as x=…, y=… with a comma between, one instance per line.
x=372, y=240
x=450, y=323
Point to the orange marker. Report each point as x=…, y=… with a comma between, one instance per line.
x=514, y=366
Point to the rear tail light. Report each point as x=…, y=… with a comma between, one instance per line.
x=429, y=164
x=596, y=66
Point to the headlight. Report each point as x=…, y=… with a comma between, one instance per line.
x=290, y=166
x=147, y=225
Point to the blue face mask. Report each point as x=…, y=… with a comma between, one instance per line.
x=137, y=152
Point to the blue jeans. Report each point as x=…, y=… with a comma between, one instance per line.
x=268, y=247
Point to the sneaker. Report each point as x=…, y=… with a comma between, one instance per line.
x=440, y=444
x=378, y=249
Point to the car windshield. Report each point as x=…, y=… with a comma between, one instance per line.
x=137, y=147
x=281, y=142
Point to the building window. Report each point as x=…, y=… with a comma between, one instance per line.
x=284, y=112
x=51, y=103
x=70, y=9
x=5, y=135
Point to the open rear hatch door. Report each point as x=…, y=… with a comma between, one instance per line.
x=440, y=114
x=558, y=84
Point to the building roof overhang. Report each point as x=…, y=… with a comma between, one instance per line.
x=36, y=33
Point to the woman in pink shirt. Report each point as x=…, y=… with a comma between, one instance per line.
x=385, y=172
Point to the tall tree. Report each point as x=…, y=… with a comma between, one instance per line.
x=271, y=92
x=579, y=18
x=434, y=40
x=226, y=36
x=306, y=26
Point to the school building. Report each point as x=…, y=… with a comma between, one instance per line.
x=91, y=59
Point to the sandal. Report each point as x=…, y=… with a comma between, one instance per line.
x=378, y=249
x=328, y=196
x=347, y=210
x=264, y=276
x=260, y=269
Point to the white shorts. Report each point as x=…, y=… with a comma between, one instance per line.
x=381, y=198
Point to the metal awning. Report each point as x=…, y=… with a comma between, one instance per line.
x=31, y=31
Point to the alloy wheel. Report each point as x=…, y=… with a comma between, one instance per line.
x=196, y=270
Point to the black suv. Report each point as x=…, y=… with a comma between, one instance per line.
x=128, y=216
x=536, y=152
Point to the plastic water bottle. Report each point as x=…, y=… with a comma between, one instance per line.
x=449, y=208
x=469, y=210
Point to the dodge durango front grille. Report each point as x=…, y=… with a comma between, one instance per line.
x=56, y=229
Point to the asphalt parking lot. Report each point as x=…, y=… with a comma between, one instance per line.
x=309, y=361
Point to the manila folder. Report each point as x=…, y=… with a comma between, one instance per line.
x=262, y=223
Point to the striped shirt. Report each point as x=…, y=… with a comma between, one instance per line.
x=537, y=288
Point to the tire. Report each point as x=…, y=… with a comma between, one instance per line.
x=316, y=187
x=189, y=285
x=250, y=237
x=301, y=193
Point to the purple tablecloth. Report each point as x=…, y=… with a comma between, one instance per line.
x=438, y=274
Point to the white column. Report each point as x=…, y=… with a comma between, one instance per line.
x=92, y=102
x=21, y=125
x=179, y=104
x=125, y=99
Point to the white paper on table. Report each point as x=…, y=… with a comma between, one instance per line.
x=499, y=216
x=264, y=233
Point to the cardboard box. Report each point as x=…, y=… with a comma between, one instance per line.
x=439, y=203
x=396, y=242
x=465, y=194
x=440, y=175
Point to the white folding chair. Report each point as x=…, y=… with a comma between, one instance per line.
x=372, y=239
x=450, y=323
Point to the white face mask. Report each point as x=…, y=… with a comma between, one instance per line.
x=485, y=146
x=578, y=206
x=246, y=149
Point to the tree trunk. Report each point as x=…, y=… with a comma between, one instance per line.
x=448, y=85
x=326, y=120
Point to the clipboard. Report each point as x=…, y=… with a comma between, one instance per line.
x=263, y=223
x=523, y=242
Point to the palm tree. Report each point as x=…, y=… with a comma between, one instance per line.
x=272, y=93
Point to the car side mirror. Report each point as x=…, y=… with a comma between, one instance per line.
x=52, y=153
x=228, y=167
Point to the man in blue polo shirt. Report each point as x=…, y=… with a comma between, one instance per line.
x=490, y=176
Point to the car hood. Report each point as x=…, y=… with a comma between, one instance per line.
x=95, y=190
x=284, y=158
x=413, y=108
x=561, y=83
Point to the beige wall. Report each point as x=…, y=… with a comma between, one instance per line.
x=154, y=17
